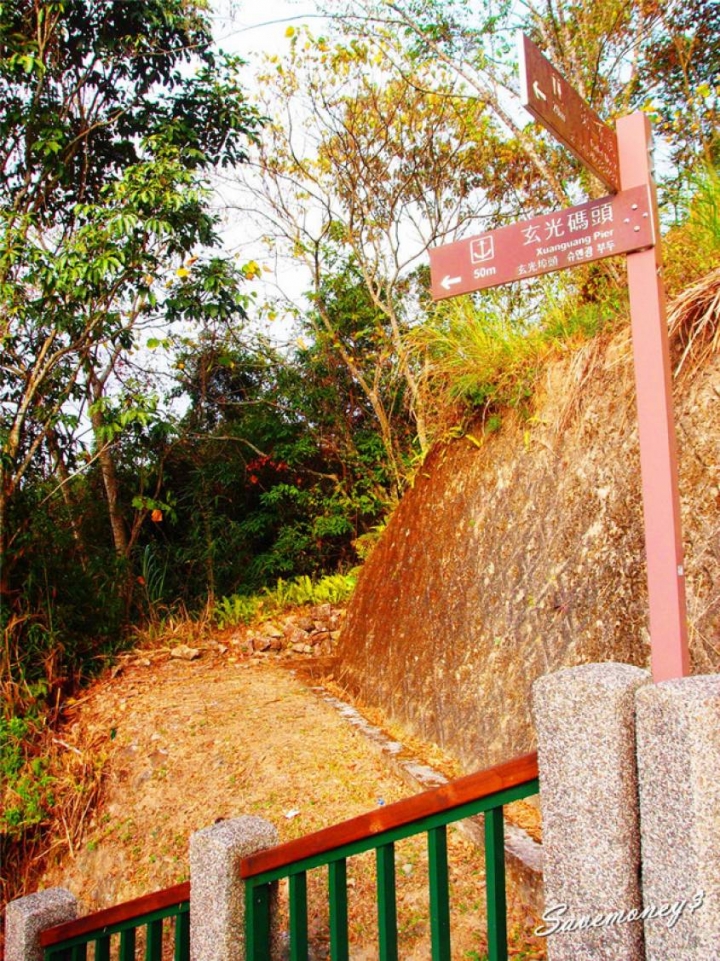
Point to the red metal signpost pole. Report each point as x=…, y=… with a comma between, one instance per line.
x=658, y=457
x=625, y=222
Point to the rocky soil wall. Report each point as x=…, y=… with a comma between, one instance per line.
x=511, y=559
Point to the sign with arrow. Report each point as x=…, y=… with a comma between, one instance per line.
x=613, y=225
x=560, y=109
x=624, y=223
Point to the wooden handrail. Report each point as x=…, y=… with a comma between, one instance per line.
x=136, y=908
x=435, y=801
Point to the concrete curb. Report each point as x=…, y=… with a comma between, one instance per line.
x=523, y=855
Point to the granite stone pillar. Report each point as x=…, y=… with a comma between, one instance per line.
x=26, y=918
x=585, y=720
x=217, y=892
x=678, y=744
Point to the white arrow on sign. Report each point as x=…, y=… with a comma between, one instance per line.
x=447, y=282
x=562, y=111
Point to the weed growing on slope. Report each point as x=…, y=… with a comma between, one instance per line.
x=242, y=609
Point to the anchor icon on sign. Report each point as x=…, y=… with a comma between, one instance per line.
x=482, y=249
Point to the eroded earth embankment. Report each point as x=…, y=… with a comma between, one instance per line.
x=522, y=551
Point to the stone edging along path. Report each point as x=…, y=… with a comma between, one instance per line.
x=306, y=640
x=523, y=855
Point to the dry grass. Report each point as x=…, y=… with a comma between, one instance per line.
x=75, y=764
x=184, y=743
x=694, y=334
x=694, y=323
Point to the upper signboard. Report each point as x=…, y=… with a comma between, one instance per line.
x=618, y=224
x=551, y=100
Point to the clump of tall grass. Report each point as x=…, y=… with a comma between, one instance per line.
x=692, y=247
x=479, y=356
x=483, y=353
x=703, y=208
x=48, y=787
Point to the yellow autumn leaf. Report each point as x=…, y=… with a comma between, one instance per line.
x=251, y=270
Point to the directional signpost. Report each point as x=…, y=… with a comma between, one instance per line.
x=551, y=100
x=624, y=223
x=576, y=235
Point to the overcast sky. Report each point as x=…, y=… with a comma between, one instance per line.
x=248, y=27
x=251, y=28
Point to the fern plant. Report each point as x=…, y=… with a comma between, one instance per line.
x=300, y=591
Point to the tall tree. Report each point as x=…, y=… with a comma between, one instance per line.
x=278, y=467
x=660, y=55
x=473, y=45
x=678, y=76
x=113, y=115
x=367, y=165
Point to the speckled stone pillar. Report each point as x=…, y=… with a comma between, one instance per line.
x=27, y=917
x=217, y=892
x=585, y=719
x=678, y=735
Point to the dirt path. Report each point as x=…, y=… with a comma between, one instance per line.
x=189, y=742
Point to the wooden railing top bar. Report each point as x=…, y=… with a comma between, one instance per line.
x=157, y=901
x=435, y=801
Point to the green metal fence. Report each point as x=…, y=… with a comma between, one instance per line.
x=157, y=926
x=430, y=814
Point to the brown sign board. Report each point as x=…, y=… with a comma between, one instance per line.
x=618, y=224
x=561, y=109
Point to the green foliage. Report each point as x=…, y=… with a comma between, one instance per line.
x=484, y=353
x=704, y=211
x=133, y=58
x=25, y=784
x=572, y=318
x=279, y=471
x=241, y=609
x=153, y=575
x=332, y=589
x=113, y=116
x=676, y=78
x=478, y=357
x=236, y=609
x=692, y=246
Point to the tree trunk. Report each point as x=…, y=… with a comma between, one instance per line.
x=109, y=477
x=64, y=475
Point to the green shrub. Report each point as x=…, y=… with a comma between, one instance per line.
x=692, y=246
x=26, y=785
x=236, y=609
x=485, y=354
x=241, y=609
x=477, y=357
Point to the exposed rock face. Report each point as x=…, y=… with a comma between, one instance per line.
x=509, y=561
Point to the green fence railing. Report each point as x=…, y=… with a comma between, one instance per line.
x=158, y=925
x=485, y=792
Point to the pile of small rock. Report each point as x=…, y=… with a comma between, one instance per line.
x=312, y=631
